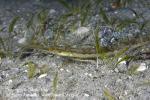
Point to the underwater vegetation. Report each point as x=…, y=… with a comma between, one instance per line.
x=81, y=14
x=111, y=41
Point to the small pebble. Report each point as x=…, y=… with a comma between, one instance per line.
x=18, y=10
x=48, y=34
x=0, y=60
x=10, y=81
x=116, y=70
x=90, y=75
x=61, y=69
x=25, y=71
x=86, y=74
x=122, y=66
x=22, y=41
x=122, y=62
x=42, y=75
x=119, y=80
x=142, y=67
x=87, y=95
x=115, y=12
x=82, y=30
x=68, y=70
x=133, y=15
x=51, y=11
x=125, y=92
